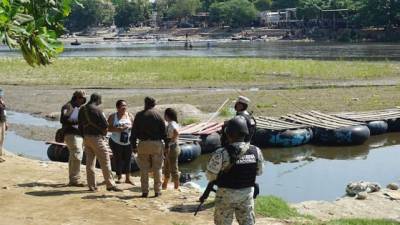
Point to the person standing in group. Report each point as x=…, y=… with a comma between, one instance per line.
x=93, y=127
x=149, y=128
x=120, y=125
x=3, y=124
x=172, y=149
x=72, y=136
x=234, y=169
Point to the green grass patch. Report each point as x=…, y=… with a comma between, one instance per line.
x=275, y=207
x=227, y=112
x=191, y=72
x=362, y=222
x=188, y=121
x=179, y=223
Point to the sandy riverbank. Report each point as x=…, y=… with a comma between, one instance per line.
x=34, y=192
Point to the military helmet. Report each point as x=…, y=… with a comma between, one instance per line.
x=236, y=126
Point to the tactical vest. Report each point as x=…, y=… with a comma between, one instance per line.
x=251, y=125
x=243, y=173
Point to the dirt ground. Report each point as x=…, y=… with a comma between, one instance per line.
x=34, y=192
x=377, y=205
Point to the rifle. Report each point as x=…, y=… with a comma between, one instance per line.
x=204, y=196
x=256, y=190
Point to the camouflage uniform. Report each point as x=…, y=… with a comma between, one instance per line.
x=232, y=201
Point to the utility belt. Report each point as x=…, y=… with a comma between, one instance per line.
x=256, y=187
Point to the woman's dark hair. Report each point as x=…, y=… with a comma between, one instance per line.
x=119, y=103
x=171, y=114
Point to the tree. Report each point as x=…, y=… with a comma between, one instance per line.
x=243, y=12
x=380, y=13
x=93, y=13
x=263, y=5
x=33, y=27
x=183, y=9
x=221, y=13
x=282, y=4
x=162, y=6
x=132, y=12
x=235, y=13
x=310, y=9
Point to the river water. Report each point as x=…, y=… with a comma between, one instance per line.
x=296, y=174
x=321, y=173
x=214, y=48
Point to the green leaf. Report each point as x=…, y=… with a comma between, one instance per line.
x=23, y=18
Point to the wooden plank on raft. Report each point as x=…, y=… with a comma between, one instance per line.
x=329, y=120
x=300, y=120
x=368, y=116
x=210, y=130
x=192, y=129
x=183, y=129
x=318, y=120
x=279, y=121
x=336, y=119
x=279, y=127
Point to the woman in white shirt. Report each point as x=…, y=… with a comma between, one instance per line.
x=172, y=149
x=120, y=125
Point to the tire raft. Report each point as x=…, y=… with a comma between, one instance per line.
x=189, y=152
x=354, y=135
x=210, y=143
x=58, y=153
x=288, y=138
x=378, y=127
x=393, y=125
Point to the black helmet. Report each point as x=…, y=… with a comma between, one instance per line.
x=237, y=126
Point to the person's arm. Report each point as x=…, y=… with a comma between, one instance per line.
x=260, y=162
x=163, y=128
x=64, y=119
x=81, y=120
x=111, y=126
x=103, y=120
x=214, y=166
x=133, y=138
x=175, y=134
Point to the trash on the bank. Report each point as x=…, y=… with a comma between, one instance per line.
x=393, y=186
x=354, y=188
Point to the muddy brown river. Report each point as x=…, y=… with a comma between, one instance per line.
x=296, y=174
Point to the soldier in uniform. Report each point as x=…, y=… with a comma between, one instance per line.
x=234, y=168
x=241, y=105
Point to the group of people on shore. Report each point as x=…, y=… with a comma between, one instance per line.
x=153, y=137
x=233, y=167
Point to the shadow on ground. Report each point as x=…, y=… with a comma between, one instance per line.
x=41, y=184
x=191, y=208
x=105, y=196
x=54, y=193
